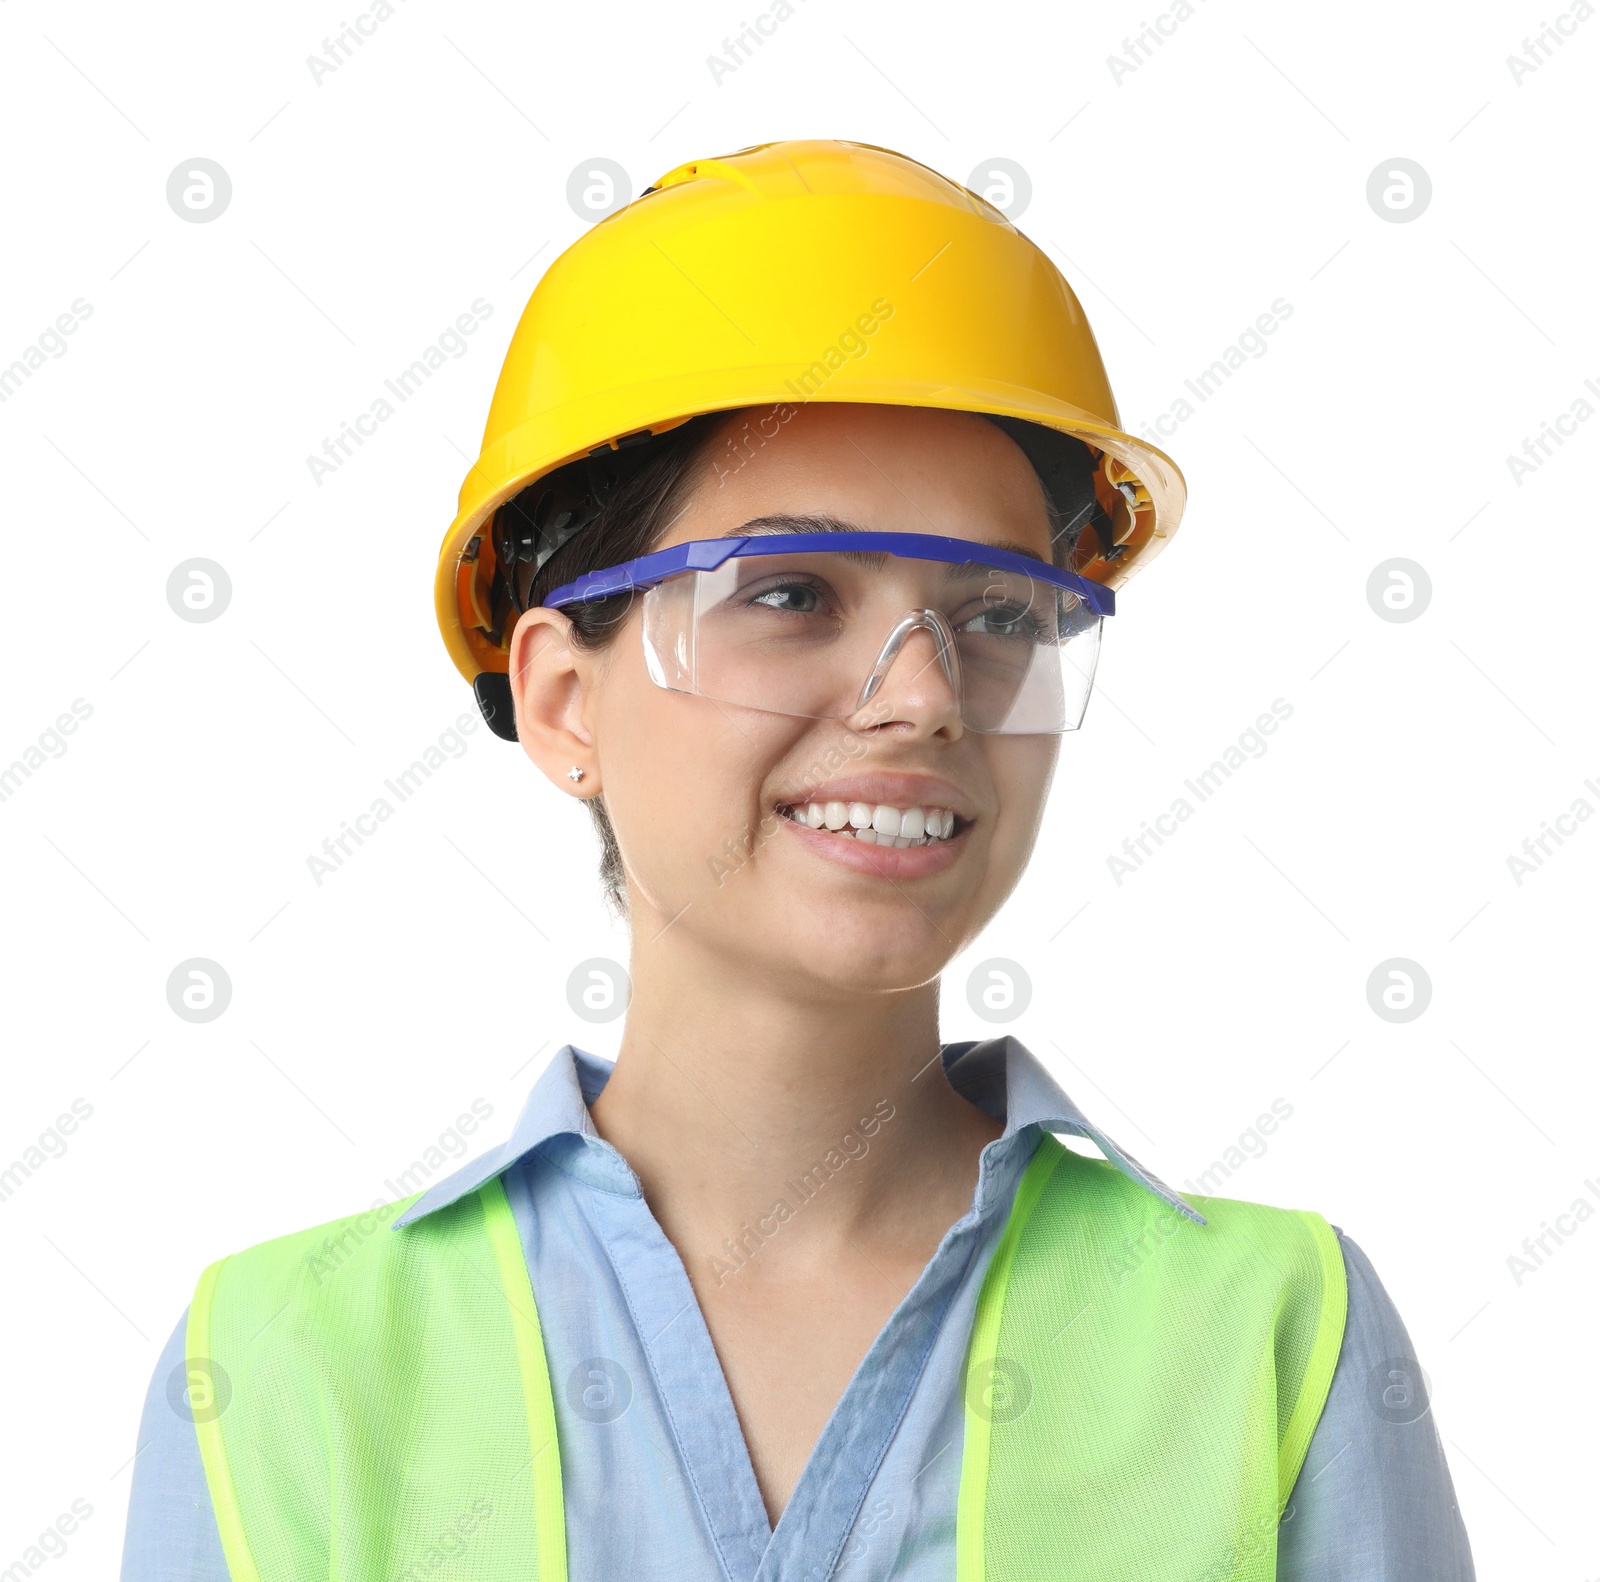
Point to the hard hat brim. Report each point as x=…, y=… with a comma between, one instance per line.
x=526, y=453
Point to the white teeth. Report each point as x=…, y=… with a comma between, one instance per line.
x=881, y=825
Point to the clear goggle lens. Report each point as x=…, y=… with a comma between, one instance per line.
x=820, y=635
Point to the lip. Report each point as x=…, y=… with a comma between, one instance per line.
x=881, y=862
x=887, y=787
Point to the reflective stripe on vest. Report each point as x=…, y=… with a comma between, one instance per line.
x=1141, y=1391
x=379, y=1406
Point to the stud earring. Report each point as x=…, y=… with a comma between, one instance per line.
x=575, y=774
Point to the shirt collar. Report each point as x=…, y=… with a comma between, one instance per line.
x=1000, y=1075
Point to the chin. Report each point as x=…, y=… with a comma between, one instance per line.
x=857, y=980
x=870, y=950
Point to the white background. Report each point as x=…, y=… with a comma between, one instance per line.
x=369, y=210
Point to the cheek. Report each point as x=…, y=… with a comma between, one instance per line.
x=1021, y=769
x=680, y=787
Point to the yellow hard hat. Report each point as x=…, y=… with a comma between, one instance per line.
x=752, y=279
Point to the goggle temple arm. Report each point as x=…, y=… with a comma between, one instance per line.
x=707, y=554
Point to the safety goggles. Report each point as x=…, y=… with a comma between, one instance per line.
x=811, y=624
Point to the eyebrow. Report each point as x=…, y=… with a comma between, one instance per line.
x=780, y=522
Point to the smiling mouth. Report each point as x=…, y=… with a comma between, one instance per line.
x=878, y=824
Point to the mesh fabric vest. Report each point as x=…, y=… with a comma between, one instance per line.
x=374, y=1405
x=1141, y=1390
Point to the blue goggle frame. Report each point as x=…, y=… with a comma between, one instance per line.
x=706, y=554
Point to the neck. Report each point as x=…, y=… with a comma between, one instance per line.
x=761, y=1117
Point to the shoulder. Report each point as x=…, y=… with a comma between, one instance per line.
x=1369, y=1300
x=1236, y=1233
x=1377, y=1353
x=1298, y=1241
x=171, y=1533
x=328, y=1285
x=1280, y=1266
x=309, y=1271
x=1375, y=1481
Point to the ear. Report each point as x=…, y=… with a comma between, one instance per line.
x=548, y=675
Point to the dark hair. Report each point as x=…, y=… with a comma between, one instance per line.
x=646, y=487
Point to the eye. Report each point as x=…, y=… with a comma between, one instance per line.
x=791, y=596
x=1010, y=619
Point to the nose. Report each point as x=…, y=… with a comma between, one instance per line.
x=917, y=677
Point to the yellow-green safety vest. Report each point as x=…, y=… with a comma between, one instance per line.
x=1141, y=1391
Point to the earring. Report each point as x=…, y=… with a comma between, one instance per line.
x=575, y=774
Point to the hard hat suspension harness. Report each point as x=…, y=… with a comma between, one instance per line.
x=539, y=520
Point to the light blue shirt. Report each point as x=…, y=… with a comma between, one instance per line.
x=656, y=1478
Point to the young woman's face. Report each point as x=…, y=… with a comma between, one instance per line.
x=697, y=790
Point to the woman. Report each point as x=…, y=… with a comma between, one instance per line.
x=789, y=553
